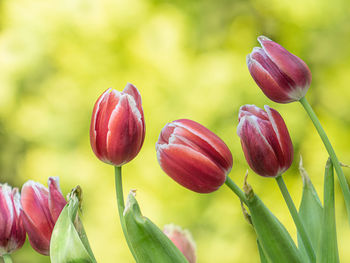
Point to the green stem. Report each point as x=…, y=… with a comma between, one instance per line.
x=342, y=180
x=121, y=206
x=7, y=258
x=293, y=211
x=231, y=184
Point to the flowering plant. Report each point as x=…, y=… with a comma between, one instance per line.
x=198, y=160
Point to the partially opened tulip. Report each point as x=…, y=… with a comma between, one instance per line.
x=183, y=241
x=265, y=140
x=193, y=156
x=117, y=128
x=268, y=150
x=41, y=209
x=282, y=76
x=12, y=233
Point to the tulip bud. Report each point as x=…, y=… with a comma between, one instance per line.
x=41, y=209
x=282, y=76
x=183, y=241
x=12, y=233
x=69, y=242
x=265, y=140
x=117, y=128
x=193, y=156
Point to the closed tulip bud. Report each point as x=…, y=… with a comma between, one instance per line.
x=117, y=128
x=265, y=140
x=282, y=76
x=193, y=156
x=12, y=233
x=41, y=209
x=183, y=241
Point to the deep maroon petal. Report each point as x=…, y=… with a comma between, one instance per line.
x=259, y=154
x=288, y=63
x=283, y=136
x=274, y=86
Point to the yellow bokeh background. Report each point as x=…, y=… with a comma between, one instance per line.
x=187, y=58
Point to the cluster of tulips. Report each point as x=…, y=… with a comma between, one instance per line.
x=198, y=160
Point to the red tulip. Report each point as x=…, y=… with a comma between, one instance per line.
x=282, y=76
x=41, y=209
x=117, y=128
x=12, y=233
x=265, y=140
x=183, y=241
x=193, y=156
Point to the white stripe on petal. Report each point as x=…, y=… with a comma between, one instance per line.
x=133, y=106
x=6, y=192
x=254, y=121
x=273, y=123
x=198, y=134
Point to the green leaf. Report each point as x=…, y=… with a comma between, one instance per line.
x=328, y=247
x=310, y=211
x=263, y=258
x=150, y=244
x=276, y=243
x=69, y=243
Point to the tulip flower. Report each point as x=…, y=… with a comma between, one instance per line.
x=12, y=233
x=265, y=140
x=193, y=156
x=183, y=241
x=41, y=209
x=282, y=76
x=117, y=128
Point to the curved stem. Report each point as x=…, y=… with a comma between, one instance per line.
x=121, y=206
x=7, y=258
x=231, y=184
x=293, y=211
x=342, y=180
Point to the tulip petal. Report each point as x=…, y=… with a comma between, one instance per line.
x=133, y=92
x=125, y=129
x=103, y=117
x=283, y=136
x=291, y=65
x=6, y=214
x=56, y=199
x=34, y=200
x=38, y=240
x=206, y=142
x=252, y=110
x=258, y=152
x=269, y=79
x=190, y=168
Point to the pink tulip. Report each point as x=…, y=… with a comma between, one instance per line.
x=282, y=76
x=183, y=240
x=265, y=140
x=117, y=128
x=12, y=233
x=41, y=209
x=193, y=156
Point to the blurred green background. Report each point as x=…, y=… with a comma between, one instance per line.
x=188, y=60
